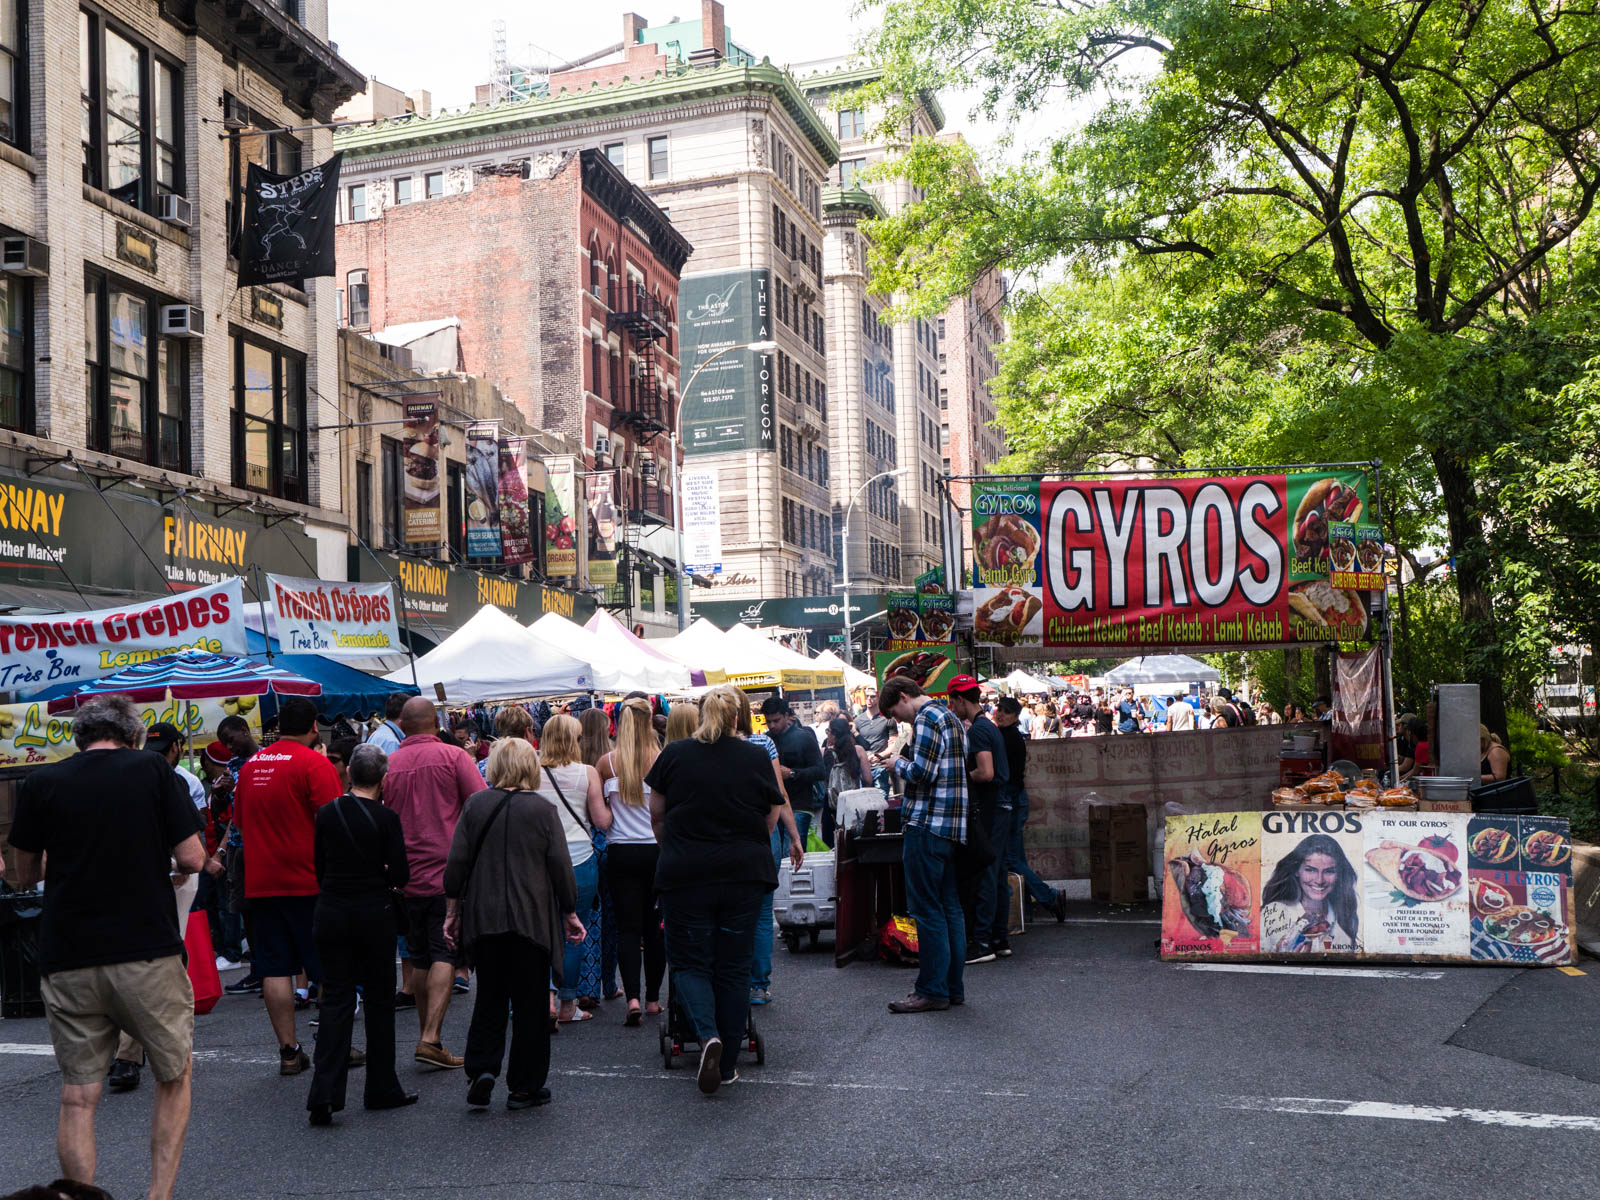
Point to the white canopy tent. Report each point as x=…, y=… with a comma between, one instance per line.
x=702, y=646
x=829, y=661
x=1020, y=683
x=613, y=633
x=1161, y=668
x=615, y=670
x=492, y=657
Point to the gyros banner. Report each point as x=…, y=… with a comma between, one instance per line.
x=1142, y=563
x=341, y=620
x=38, y=652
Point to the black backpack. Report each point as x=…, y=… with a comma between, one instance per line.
x=1247, y=715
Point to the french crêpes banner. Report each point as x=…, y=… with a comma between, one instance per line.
x=1235, y=560
x=1373, y=883
x=341, y=620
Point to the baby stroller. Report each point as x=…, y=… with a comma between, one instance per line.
x=677, y=1034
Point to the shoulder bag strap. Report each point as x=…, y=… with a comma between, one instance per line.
x=555, y=783
x=483, y=834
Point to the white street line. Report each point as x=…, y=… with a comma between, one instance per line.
x=1410, y=1112
x=1109, y=921
x=1346, y=972
x=39, y=1051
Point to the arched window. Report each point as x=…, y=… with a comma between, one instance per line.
x=612, y=283
x=596, y=269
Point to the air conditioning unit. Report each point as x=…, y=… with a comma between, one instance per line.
x=177, y=210
x=182, y=320
x=24, y=256
x=602, y=446
x=235, y=113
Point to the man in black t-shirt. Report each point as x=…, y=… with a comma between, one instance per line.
x=1012, y=855
x=111, y=820
x=987, y=774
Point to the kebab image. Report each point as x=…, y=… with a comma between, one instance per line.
x=1214, y=898
x=1325, y=501
x=1008, y=611
x=1005, y=540
x=1423, y=873
x=918, y=666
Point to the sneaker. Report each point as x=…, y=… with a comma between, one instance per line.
x=979, y=953
x=250, y=985
x=518, y=1100
x=433, y=1054
x=1002, y=949
x=459, y=987
x=479, y=1091
x=224, y=963
x=404, y=1000
x=760, y=996
x=1060, y=907
x=123, y=1076
x=357, y=1060
x=292, y=1060
x=710, y=1076
x=734, y=1078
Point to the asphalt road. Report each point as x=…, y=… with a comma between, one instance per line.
x=1083, y=1066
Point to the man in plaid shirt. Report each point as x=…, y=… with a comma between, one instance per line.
x=935, y=818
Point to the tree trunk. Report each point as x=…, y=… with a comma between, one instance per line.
x=1469, y=551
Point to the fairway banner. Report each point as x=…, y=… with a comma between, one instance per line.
x=340, y=620
x=1344, y=883
x=1235, y=560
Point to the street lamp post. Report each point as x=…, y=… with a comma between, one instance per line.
x=849, y=650
x=677, y=478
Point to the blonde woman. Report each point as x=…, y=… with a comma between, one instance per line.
x=513, y=898
x=572, y=788
x=683, y=718
x=1496, y=764
x=714, y=802
x=631, y=853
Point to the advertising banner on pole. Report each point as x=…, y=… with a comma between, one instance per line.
x=483, y=490
x=37, y=652
x=561, y=517
x=516, y=539
x=339, y=620
x=731, y=404
x=1127, y=563
x=1356, y=732
x=929, y=667
x=602, y=529
x=702, y=521
x=1374, y=883
x=424, y=523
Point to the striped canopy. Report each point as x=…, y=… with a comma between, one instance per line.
x=191, y=675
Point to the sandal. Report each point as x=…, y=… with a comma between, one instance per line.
x=634, y=1018
x=580, y=1015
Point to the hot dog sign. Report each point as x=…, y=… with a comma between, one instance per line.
x=1233, y=560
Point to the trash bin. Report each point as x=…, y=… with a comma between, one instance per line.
x=20, y=995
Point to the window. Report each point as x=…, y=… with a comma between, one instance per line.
x=456, y=530
x=269, y=429
x=849, y=168
x=130, y=113
x=433, y=185
x=356, y=202
x=13, y=74
x=403, y=193
x=16, y=357
x=136, y=382
x=356, y=289
x=852, y=123
x=364, y=502
x=393, y=482
x=658, y=156
x=617, y=155
x=261, y=143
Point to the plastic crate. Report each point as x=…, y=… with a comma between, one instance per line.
x=20, y=994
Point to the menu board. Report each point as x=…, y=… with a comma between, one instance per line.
x=1371, y=884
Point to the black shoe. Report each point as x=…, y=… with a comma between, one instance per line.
x=710, y=1076
x=479, y=1091
x=123, y=1076
x=979, y=953
x=404, y=1000
x=250, y=985
x=1060, y=907
x=518, y=1100
x=358, y=1059
x=1002, y=949
x=320, y=1115
x=403, y=1100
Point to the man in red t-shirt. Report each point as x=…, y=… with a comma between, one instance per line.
x=280, y=789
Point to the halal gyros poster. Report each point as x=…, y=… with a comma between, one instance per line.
x=1225, y=560
x=1372, y=884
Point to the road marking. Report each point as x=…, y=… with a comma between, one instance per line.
x=1410, y=1112
x=40, y=1051
x=1110, y=921
x=1347, y=972
x=1571, y=971
x=753, y=1074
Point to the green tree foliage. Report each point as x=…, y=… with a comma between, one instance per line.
x=1292, y=231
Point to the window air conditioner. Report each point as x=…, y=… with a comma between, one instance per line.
x=176, y=210
x=182, y=320
x=602, y=446
x=235, y=113
x=24, y=256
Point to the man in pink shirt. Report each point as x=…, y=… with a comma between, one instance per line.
x=428, y=782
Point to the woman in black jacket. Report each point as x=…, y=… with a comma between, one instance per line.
x=360, y=858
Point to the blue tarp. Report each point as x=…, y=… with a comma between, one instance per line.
x=345, y=691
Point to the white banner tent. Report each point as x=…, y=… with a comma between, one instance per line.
x=702, y=647
x=615, y=671
x=1020, y=683
x=853, y=678
x=795, y=665
x=615, y=634
x=1161, y=668
x=492, y=657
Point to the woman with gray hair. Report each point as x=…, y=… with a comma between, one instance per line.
x=360, y=859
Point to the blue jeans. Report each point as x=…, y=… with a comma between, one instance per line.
x=992, y=911
x=710, y=937
x=588, y=876
x=761, y=960
x=1017, y=859
x=935, y=905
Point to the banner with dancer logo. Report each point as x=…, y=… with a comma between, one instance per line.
x=288, y=224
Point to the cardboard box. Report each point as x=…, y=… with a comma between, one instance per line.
x=1119, y=854
x=1450, y=806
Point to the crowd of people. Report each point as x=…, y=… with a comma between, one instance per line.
x=1106, y=711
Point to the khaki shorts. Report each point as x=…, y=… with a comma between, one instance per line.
x=90, y=1007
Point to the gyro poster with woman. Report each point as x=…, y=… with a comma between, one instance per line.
x=1233, y=560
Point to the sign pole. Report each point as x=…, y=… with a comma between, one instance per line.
x=1391, y=746
x=684, y=578
x=405, y=621
x=261, y=600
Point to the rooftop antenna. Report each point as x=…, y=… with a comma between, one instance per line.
x=502, y=64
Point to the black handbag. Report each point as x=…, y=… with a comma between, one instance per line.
x=397, y=901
